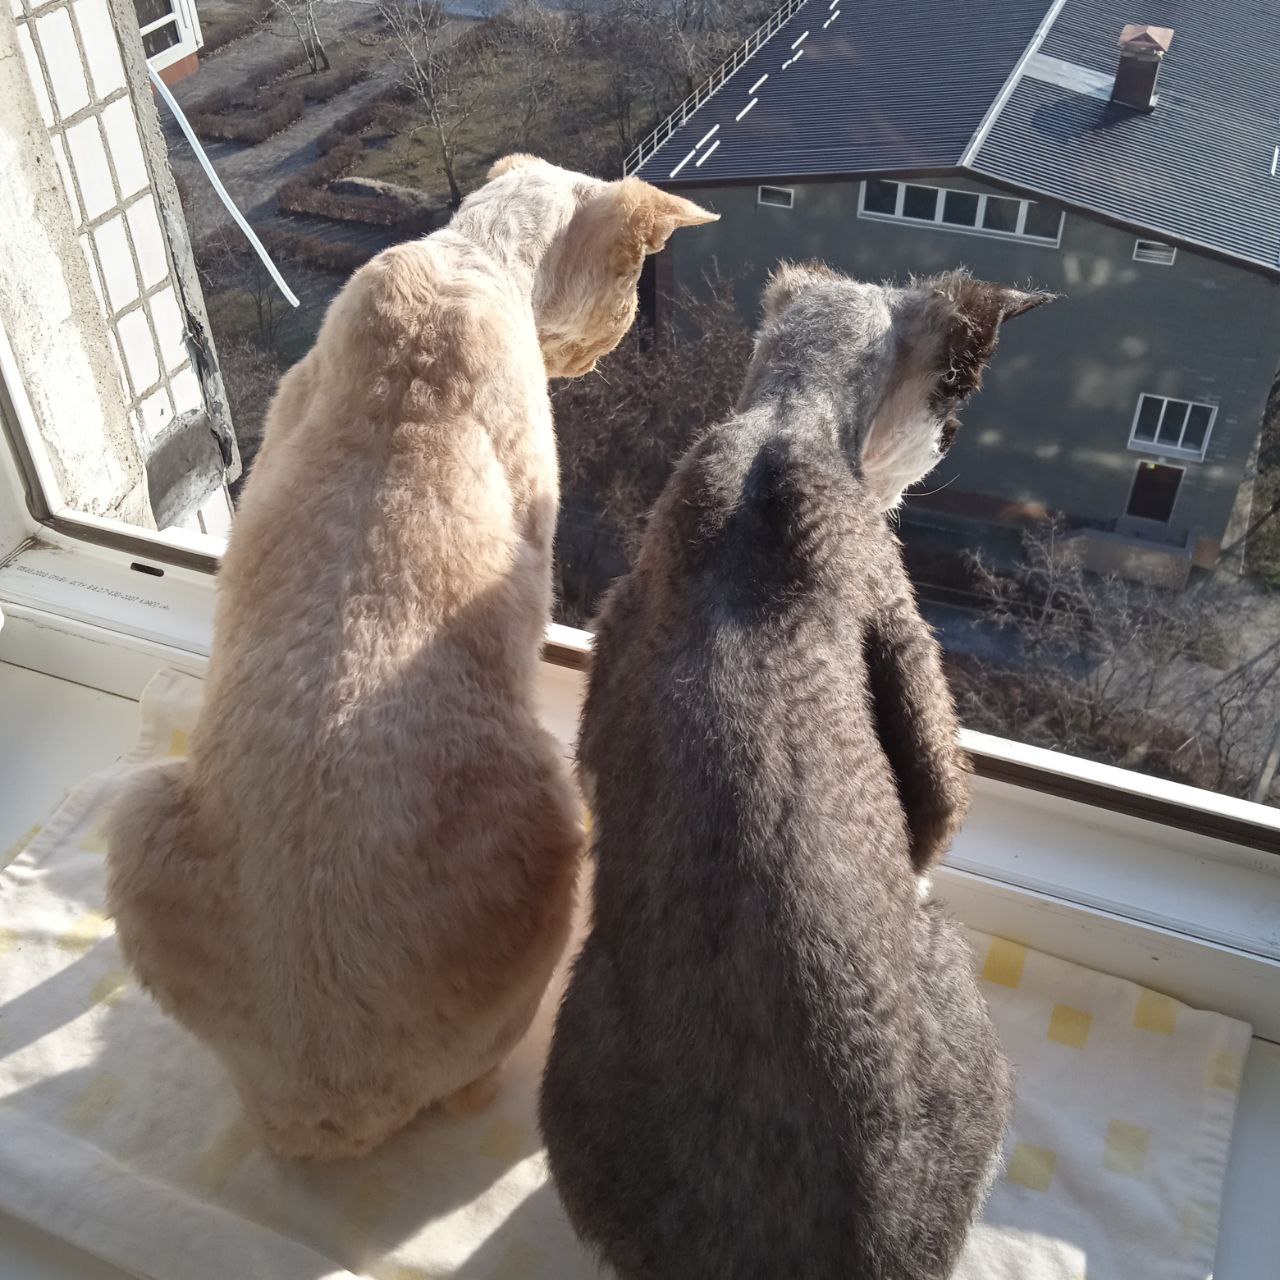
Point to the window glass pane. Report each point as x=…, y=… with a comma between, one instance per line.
x=160, y=39
x=960, y=208
x=920, y=202
x=1193, y=435
x=1043, y=220
x=1148, y=418
x=150, y=11
x=1175, y=414
x=1001, y=214
x=780, y=196
x=881, y=197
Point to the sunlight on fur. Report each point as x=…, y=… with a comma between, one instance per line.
x=356, y=888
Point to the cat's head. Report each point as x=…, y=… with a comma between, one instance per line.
x=598, y=233
x=909, y=356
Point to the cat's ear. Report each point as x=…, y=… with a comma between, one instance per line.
x=592, y=283
x=645, y=218
x=517, y=160
x=788, y=281
x=970, y=313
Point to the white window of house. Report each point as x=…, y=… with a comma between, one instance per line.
x=951, y=209
x=779, y=197
x=1162, y=424
x=1155, y=252
x=170, y=30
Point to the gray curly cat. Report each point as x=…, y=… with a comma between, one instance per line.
x=772, y=1059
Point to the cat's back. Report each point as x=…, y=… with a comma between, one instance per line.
x=753, y=989
x=733, y=653
x=379, y=604
x=742, y=795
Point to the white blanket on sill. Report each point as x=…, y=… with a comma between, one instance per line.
x=120, y=1133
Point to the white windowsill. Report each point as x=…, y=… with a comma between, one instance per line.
x=59, y=732
x=1165, y=451
x=1195, y=917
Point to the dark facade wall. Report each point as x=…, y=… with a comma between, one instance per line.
x=1051, y=427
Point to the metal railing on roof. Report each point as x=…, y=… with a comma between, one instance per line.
x=749, y=47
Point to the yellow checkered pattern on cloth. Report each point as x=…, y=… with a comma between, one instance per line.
x=1113, y=1166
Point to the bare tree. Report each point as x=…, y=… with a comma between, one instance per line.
x=441, y=71
x=304, y=17
x=1127, y=673
x=250, y=375
x=533, y=42
x=1260, y=539
x=622, y=429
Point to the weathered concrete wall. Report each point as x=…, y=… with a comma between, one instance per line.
x=1052, y=425
x=51, y=318
x=87, y=76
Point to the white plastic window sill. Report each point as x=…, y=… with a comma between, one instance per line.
x=55, y=732
x=1196, y=917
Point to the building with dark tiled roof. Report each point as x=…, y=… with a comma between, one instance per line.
x=1130, y=166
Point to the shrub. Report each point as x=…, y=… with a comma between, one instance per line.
x=304, y=194
x=299, y=196
x=234, y=116
x=245, y=94
x=383, y=108
x=220, y=34
x=309, y=193
x=1120, y=671
x=314, y=251
x=253, y=125
x=622, y=429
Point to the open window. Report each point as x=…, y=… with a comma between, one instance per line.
x=170, y=31
x=135, y=431
x=168, y=341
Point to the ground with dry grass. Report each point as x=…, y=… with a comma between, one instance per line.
x=559, y=118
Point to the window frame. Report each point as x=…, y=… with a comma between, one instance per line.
x=1145, y=879
x=1176, y=451
x=1171, y=249
x=190, y=40
x=1018, y=235
x=774, y=204
x=28, y=431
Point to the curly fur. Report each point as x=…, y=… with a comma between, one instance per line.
x=772, y=1059
x=356, y=888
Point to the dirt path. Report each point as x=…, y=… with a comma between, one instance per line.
x=253, y=174
x=234, y=64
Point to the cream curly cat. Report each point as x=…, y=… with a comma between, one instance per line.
x=356, y=888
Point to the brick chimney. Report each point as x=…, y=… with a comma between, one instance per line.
x=1142, y=48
